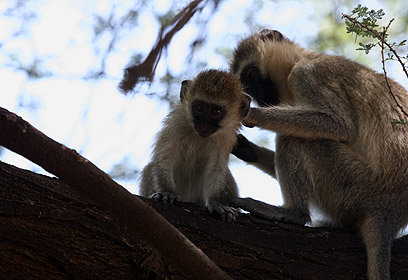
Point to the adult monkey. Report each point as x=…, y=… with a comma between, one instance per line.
x=336, y=147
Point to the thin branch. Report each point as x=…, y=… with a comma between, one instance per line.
x=382, y=40
x=379, y=37
x=145, y=70
x=393, y=50
x=80, y=174
x=381, y=43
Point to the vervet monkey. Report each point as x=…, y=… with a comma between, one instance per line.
x=336, y=146
x=191, y=154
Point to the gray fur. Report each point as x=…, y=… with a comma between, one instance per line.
x=188, y=167
x=336, y=147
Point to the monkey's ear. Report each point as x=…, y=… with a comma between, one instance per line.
x=271, y=35
x=245, y=105
x=184, y=88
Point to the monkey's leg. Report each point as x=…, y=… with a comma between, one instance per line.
x=270, y=212
x=218, y=203
x=155, y=185
x=377, y=233
x=294, y=184
x=348, y=190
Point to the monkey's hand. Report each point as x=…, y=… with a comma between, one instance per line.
x=244, y=150
x=252, y=117
x=225, y=213
x=167, y=197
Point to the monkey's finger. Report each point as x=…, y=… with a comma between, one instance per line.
x=232, y=214
x=218, y=211
x=248, y=124
x=173, y=197
x=221, y=212
x=230, y=218
x=165, y=197
x=156, y=196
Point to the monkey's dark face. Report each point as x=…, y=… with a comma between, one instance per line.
x=263, y=90
x=207, y=117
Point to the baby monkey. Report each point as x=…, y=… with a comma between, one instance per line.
x=191, y=153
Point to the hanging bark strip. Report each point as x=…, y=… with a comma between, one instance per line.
x=145, y=70
x=75, y=170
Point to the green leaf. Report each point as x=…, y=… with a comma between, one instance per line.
x=396, y=122
x=402, y=43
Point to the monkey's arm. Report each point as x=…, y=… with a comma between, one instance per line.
x=157, y=185
x=321, y=107
x=251, y=153
x=157, y=178
x=302, y=123
x=220, y=188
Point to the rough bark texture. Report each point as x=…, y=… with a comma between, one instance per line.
x=49, y=231
x=96, y=186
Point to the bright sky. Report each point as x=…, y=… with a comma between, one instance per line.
x=91, y=116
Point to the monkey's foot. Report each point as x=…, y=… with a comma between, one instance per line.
x=270, y=212
x=167, y=197
x=225, y=213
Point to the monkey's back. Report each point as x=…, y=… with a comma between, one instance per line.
x=381, y=139
x=363, y=94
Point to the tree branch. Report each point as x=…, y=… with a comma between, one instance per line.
x=50, y=231
x=22, y=138
x=383, y=41
x=381, y=38
x=145, y=70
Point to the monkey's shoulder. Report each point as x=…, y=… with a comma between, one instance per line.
x=322, y=68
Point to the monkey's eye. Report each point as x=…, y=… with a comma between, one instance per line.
x=216, y=112
x=199, y=108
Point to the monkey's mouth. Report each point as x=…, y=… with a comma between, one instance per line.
x=205, y=130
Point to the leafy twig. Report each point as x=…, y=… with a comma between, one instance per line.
x=363, y=23
x=383, y=42
x=381, y=36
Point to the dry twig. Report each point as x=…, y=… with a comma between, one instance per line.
x=145, y=70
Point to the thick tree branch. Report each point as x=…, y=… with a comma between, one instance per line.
x=22, y=138
x=48, y=230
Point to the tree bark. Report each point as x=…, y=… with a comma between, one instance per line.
x=50, y=231
x=95, y=185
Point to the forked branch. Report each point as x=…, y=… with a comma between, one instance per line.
x=145, y=70
x=80, y=174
